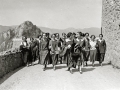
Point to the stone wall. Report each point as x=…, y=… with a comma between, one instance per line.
x=9, y=61
x=111, y=30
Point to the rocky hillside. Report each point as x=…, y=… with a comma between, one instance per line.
x=27, y=28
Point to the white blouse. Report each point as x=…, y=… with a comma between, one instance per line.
x=93, y=45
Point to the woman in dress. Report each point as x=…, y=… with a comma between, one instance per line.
x=61, y=54
x=53, y=45
x=33, y=49
x=24, y=47
x=39, y=40
x=82, y=48
x=44, y=52
x=93, y=50
x=59, y=44
x=76, y=53
x=101, y=48
x=86, y=48
x=67, y=50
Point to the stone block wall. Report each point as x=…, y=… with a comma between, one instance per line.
x=9, y=61
x=111, y=30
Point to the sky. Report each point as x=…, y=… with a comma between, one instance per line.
x=59, y=14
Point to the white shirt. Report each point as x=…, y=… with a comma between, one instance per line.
x=93, y=45
x=24, y=43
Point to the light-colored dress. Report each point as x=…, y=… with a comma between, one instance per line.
x=93, y=50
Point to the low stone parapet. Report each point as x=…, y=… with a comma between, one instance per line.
x=9, y=61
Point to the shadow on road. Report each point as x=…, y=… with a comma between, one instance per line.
x=4, y=78
x=104, y=64
x=98, y=65
x=57, y=67
x=84, y=69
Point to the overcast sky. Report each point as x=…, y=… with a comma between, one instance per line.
x=58, y=14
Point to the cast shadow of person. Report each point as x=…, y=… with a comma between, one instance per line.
x=57, y=67
x=84, y=70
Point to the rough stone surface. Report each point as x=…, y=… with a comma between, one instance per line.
x=9, y=61
x=111, y=30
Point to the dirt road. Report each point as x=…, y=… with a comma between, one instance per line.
x=34, y=78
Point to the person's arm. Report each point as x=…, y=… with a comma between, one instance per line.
x=50, y=44
x=105, y=45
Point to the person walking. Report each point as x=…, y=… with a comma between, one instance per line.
x=53, y=45
x=101, y=48
x=68, y=45
x=86, y=50
x=33, y=49
x=59, y=44
x=44, y=52
x=93, y=50
x=76, y=54
x=39, y=40
x=24, y=47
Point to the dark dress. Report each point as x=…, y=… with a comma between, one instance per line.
x=54, y=51
x=86, y=49
x=101, y=50
x=44, y=52
x=63, y=49
x=76, y=53
x=68, y=51
x=33, y=50
x=25, y=52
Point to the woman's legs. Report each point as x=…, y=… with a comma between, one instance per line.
x=92, y=56
x=86, y=55
x=101, y=58
x=94, y=53
x=80, y=63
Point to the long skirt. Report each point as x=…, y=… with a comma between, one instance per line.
x=45, y=57
x=34, y=54
x=25, y=56
x=54, y=59
x=30, y=57
x=67, y=57
x=93, y=54
x=86, y=55
x=75, y=60
x=100, y=57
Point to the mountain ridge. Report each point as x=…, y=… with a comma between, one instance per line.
x=91, y=30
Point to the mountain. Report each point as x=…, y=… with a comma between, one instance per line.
x=27, y=29
x=92, y=30
x=8, y=33
x=6, y=28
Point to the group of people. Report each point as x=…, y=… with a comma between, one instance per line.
x=72, y=49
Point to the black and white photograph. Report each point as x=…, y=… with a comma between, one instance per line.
x=59, y=44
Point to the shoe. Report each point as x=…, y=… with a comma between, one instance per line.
x=101, y=64
x=71, y=71
x=27, y=65
x=68, y=69
x=80, y=72
x=54, y=68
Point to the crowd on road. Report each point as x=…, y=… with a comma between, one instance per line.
x=72, y=49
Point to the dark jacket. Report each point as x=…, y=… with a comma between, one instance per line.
x=101, y=46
